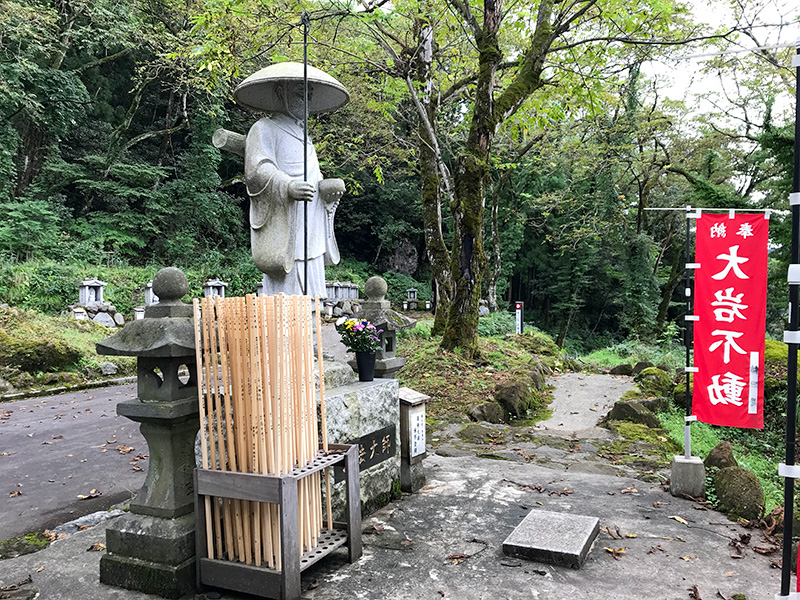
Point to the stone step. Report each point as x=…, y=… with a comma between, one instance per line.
x=561, y=539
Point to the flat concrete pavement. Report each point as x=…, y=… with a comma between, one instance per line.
x=55, y=448
x=445, y=542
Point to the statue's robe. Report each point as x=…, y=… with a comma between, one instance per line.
x=273, y=158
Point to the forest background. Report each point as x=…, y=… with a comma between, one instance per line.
x=496, y=150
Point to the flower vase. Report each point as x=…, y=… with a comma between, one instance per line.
x=365, y=363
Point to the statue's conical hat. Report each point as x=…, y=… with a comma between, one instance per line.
x=258, y=90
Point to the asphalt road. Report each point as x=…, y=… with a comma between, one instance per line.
x=55, y=448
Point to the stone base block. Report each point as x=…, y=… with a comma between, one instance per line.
x=688, y=477
x=561, y=539
x=167, y=581
x=150, y=554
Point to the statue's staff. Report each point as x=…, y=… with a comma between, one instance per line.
x=306, y=24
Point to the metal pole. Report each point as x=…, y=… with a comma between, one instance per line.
x=306, y=23
x=791, y=394
x=687, y=340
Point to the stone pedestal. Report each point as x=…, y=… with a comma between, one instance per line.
x=152, y=549
x=367, y=414
x=688, y=477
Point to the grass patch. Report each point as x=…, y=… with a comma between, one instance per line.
x=633, y=351
x=456, y=384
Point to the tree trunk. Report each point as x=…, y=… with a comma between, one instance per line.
x=438, y=256
x=497, y=263
x=468, y=260
x=675, y=275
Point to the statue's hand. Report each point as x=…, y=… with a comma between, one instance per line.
x=331, y=191
x=301, y=191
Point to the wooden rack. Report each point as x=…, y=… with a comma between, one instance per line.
x=283, y=584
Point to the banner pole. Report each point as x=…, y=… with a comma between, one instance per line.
x=791, y=394
x=687, y=339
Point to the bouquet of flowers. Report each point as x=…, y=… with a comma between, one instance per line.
x=359, y=335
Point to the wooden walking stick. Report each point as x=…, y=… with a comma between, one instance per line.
x=203, y=436
x=323, y=416
x=227, y=386
x=212, y=371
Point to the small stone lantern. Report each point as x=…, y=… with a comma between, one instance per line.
x=377, y=310
x=151, y=549
x=90, y=292
x=214, y=287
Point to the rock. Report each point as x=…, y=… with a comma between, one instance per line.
x=739, y=493
x=634, y=412
x=337, y=312
x=477, y=433
x=641, y=366
x=653, y=382
x=34, y=355
x=655, y=405
x=104, y=319
x=721, y=457
x=622, y=370
x=515, y=396
x=119, y=319
x=666, y=368
x=6, y=387
x=538, y=371
x=108, y=368
x=490, y=412
x=347, y=307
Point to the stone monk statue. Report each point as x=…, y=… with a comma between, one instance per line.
x=273, y=157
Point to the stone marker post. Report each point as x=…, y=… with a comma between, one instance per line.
x=152, y=548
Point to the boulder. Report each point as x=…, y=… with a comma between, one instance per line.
x=641, y=366
x=515, y=396
x=119, y=319
x=622, y=370
x=721, y=457
x=653, y=382
x=739, y=493
x=6, y=387
x=634, y=412
x=538, y=372
x=104, y=319
x=655, y=405
x=490, y=412
x=108, y=368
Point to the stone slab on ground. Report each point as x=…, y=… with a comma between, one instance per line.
x=562, y=539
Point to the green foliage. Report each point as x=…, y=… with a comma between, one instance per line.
x=497, y=323
x=633, y=350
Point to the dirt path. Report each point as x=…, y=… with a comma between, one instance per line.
x=579, y=401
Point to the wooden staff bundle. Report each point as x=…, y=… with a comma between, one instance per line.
x=258, y=414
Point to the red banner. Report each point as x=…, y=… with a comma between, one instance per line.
x=730, y=303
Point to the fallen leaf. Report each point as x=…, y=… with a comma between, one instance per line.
x=92, y=494
x=124, y=449
x=96, y=547
x=688, y=557
x=729, y=573
x=630, y=535
x=313, y=585
x=46, y=443
x=630, y=490
x=678, y=519
x=441, y=593
x=83, y=527
x=694, y=593
x=656, y=548
x=457, y=556
x=137, y=468
x=405, y=543
x=765, y=550
x=58, y=437
x=15, y=494
x=5, y=453
x=40, y=569
x=16, y=586
x=615, y=552
x=50, y=535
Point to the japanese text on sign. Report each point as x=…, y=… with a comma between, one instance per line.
x=730, y=305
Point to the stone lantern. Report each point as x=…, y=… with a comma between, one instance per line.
x=214, y=287
x=377, y=310
x=151, y=549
